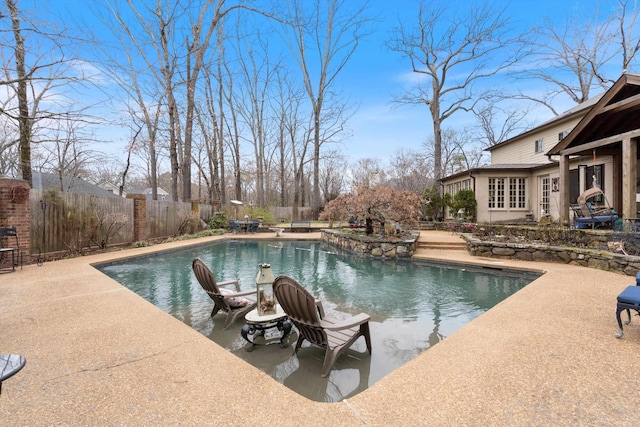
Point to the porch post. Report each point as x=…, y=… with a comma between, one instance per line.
x=629, y=176
x=564, y=190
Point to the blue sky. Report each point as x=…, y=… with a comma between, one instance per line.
x=374, y=75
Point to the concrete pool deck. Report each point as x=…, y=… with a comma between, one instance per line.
x=97, y=354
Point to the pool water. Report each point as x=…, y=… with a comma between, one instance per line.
x=412, y=305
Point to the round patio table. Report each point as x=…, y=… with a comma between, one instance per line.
x=265, y=325
x=10, y=364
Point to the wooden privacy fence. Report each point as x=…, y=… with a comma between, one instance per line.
x=72, y=222
x=165, y=218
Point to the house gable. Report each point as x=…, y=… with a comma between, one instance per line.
x=617, y=114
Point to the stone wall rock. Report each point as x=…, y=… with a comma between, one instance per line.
x=583, y=256
x=374, y=246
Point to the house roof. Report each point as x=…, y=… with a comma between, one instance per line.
x=567, y=115
x=50, y=181
x=500, y=167
x=616, y=114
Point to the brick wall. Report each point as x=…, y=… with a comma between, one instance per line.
x=139, y=216
x=14, y=211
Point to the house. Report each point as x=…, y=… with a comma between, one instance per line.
x=542, y=171
x=67, y=184
x=162, y=194
x=112, y=188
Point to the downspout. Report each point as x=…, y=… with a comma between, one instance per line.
x=473, y=187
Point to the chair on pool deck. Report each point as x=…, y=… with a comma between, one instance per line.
x=235, y=304
x=307, y=314
x=628, y=300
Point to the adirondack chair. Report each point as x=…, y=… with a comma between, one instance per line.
x=307, y=314
x=235, y=304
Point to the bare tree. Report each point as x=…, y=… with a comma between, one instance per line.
x=453, y=53
x=569, y=60
x=33, y=68
x=408, y=171
x=257, y=74
x=334, y=30
x=66, y=152
x=9, y=138
x=133, y=67
x=286, y=106
x=625, y=21
x=367, y=172
x=332, y=176
x=497, y=123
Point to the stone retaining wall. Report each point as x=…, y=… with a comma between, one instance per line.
x=593, y=258
x=374, y=246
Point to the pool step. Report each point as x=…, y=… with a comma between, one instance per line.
x=423, y=244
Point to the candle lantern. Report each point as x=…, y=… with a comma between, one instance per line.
x=264, y=285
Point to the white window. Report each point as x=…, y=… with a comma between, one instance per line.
x=496, y=193
x=457, y=186
x=544, y=203
x=539, y=145
x=517, y=193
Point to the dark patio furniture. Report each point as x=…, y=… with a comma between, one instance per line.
x=628, y=300
x=253, y=226
x=9, y=234
x=587, y=215
x=10, y=364
x=300, y=225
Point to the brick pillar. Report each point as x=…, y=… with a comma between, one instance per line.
x=139, y=216
x=14, y=212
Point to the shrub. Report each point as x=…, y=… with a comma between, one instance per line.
x=189, y=222
x=218, y=220
x=267, y=217
x=434, y=203
x=466, y=200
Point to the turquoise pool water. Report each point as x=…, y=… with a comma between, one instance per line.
x=412, y=305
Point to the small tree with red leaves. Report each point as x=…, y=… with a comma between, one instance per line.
x=380, y=203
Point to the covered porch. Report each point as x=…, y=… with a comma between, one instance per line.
x=611, y=129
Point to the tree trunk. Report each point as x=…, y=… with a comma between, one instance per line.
x=24, y=121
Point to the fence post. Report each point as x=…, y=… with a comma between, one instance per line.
x=14, y=211
x=139, y=216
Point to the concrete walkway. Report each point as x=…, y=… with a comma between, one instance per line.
x=97, y=354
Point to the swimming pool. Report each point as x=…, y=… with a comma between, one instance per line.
x=412, y=305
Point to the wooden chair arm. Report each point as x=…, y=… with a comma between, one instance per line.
x=356, y=320
x=230, y=282
x=236, y=294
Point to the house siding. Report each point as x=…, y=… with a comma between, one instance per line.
x=522, y=150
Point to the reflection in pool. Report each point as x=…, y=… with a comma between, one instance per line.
x=412, y=305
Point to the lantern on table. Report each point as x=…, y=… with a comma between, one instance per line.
x=264, y=285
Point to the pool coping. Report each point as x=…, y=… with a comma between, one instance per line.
x=99, y=354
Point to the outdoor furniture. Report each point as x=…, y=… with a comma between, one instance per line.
x=10, y=233
x=278, y=231
x=234, y=226
x=264, y=325
x=10, y=364
x=587, y=215
x=628, y=300
x=253, y=226
x=301, y=224
x=235, y=304
x=307, y=314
